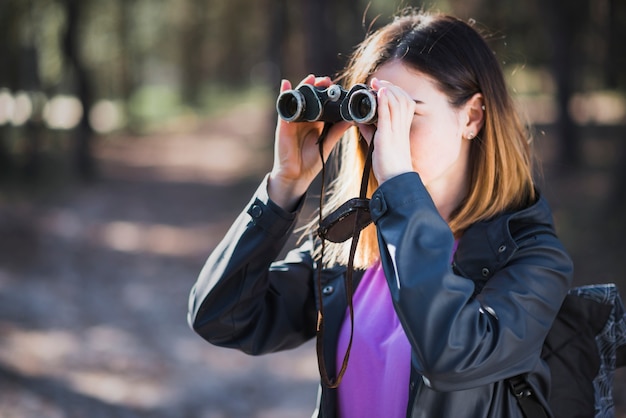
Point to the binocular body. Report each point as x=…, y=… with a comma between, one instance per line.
x=307, y=103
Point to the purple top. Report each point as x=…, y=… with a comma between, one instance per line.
x=377, y=378
x=376, y=382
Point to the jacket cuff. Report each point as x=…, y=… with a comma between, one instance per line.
x=404, y=189
x=267, y=215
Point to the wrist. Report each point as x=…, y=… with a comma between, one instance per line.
x=284, y=192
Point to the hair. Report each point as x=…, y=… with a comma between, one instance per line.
x=458, y=59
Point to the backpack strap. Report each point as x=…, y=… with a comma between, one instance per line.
x=528, y=403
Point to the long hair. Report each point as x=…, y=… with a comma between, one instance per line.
x=458, y=58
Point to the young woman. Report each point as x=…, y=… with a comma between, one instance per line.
x=458, y=278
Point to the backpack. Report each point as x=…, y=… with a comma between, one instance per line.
x=585, y=345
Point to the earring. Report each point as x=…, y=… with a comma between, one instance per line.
x=470, y=136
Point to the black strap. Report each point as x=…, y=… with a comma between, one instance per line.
x=528, y=403
x=333, y=383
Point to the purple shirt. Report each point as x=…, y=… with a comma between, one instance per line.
x=376, y=382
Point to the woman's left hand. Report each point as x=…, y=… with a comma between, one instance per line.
x=392, y=151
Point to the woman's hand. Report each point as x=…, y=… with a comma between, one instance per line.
x=296, y=153
x=392, y=151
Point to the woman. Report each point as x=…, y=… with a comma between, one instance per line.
x=463, y=272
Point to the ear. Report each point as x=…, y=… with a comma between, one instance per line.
x=474, y=110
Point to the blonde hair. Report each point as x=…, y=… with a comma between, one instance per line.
x=457, y=57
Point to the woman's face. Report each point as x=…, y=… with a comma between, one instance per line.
x=439, y=150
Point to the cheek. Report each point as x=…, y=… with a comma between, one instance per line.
x=435, y=137
x=435, y=147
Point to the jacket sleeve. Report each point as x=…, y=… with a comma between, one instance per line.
x=460, y=341
x=242, y=298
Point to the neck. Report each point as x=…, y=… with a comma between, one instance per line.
x=448, y=193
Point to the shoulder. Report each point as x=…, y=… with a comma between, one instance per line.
x=512, y=227
x=497, y=241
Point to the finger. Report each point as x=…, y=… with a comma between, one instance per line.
x=383, y=109
x=309, y=79
x=391, y=95
x=395, y=90
x=323, y=81
x=400, y=103
x=285, y=85
x=383, y=83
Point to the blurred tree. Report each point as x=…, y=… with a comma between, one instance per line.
x=18, y=46
x=276, y=19
x=564, y=20
x=7, y=77
x=245, y=37
x=616, y=79
x=83, y=135
x=320, y=46
x=331, y=30
x=193, y=39
x=34, y=126
x=127, y=70
x=615, y=34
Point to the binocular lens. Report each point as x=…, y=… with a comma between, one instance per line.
x=362, y=106
x=290, y=105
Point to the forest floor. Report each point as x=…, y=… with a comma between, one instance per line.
x=94, y=279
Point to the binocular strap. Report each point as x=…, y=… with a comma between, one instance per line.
x=333, y=383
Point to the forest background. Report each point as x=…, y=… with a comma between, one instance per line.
x=132, y=132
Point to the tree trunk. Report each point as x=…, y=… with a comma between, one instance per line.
x=192, y=49
x=83, y=158
x=277, y=22
x=320, y=38
x=7, y=80
x=29, y=81
x=562, y=29
x=128, y=80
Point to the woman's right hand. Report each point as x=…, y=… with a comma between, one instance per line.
x=296, y=152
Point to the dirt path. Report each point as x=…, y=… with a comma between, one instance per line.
x=94, y=283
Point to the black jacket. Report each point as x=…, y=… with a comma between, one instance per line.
x=471, y=324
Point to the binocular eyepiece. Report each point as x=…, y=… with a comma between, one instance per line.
x=307, y=103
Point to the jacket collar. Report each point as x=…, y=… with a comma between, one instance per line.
x=488, y=245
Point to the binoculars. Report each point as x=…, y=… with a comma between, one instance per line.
x=307, y=103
